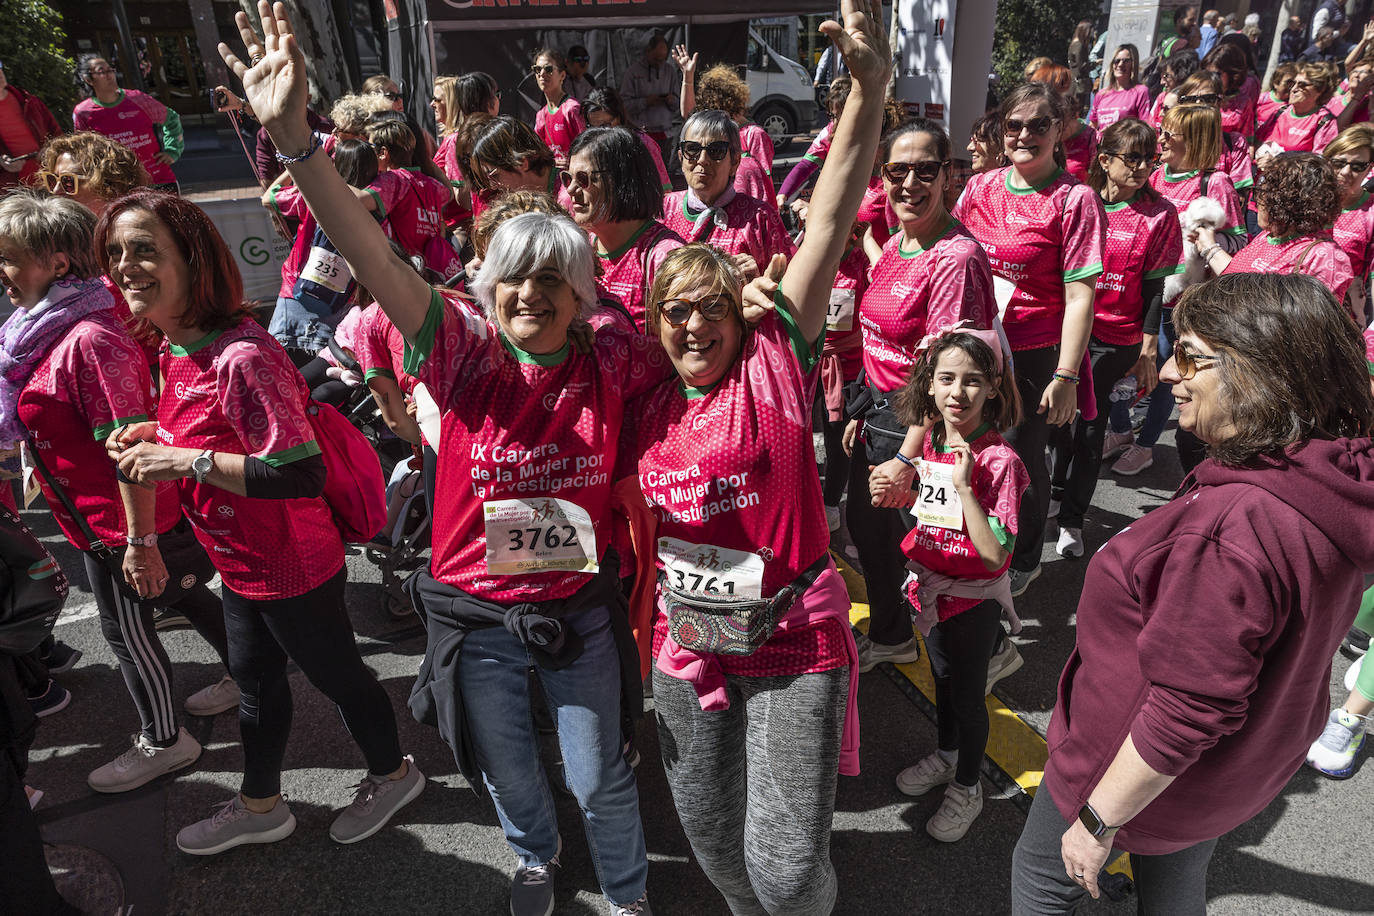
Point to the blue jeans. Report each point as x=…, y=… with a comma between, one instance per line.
x=303, y=324
x=1161, y=401
x=584, y=699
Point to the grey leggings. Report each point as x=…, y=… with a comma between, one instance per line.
x=1174, y=884
x=754, y=785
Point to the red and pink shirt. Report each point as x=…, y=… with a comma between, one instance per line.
x=757, y=145
x=751, y=227
x=93, y=381
x=1267, y=108
x=1036, y=239
x=999, y=480
x=1144, y=242
x=1238, y=112
x=132, y=121
x=1300, y=133
x=287, y=201
x=820, y=147
x=1235, y=161
x=236, y=391
x=1182, y=188
x=380, y=348
x=912, y=293
x=530, y=442
x=1354, y=232
x=558, y=126
x=1369, y=349
x=843, y=333
x=417, y=214
x=1317, y=257
x=628, y=272
x=753, y=180
x=1111, y=105
x=1079, y=151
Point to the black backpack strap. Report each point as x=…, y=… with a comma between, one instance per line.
x=97, y=546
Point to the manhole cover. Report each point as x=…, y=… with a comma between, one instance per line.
x=85, y=878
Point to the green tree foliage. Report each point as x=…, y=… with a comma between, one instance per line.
x=1031, y=28
x=32, y=49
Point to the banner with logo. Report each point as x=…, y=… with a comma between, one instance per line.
x=499, y=14
x=944, y=51
x=249, y=232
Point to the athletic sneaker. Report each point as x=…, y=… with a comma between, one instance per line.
x=54, y=698
x=233, y=824
x=1352, y=674
x=1335, y=752
x=1133, y=460
x=873, y=654
x=219, y=697
x=1070, y=543
x=61, y=658
x=143, y=763
x=1116, y=443
x=925, y=774
x=1356, y=642
x=1006, y=662
x=1021, y=580
x=956, y=814
x=832, y=518
x=375, y=800
x=531, y=891
x=168, y=619
x=639, y=908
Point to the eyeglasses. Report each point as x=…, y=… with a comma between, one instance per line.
x=691, y=151
x=1300, y=84
x=677, y=312
x=1166, y=135
x=102, y=71
x=580, y=60
x=1038, y=126
x=581, y=179
x=1204, y=98
x=544, y=70
x=1189, y=363
x=1134, y=160
x=1354, y=165
x=1122, y=62
x=926, y=172
x=62, y=184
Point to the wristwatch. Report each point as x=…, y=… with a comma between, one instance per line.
x=148, y=540
x=1090, y=819
x=202, y=465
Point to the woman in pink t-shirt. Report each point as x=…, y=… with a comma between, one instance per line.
x=1239, y=87
x=1043, y=232
x=615, y=198
x=456, y=100
x=559, y=120
x=721, y=89
x=1121, y=96
x=1305, y=123
x=726, y=465
x=1080, y=140
x=508, y=156
x=1350, y=155
x=605, y=108
x=234, y=435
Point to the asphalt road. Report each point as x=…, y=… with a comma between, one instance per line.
x=445, y=853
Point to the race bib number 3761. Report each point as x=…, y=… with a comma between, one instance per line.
x=538, y=535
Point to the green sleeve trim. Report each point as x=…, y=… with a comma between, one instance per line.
x=1371, y=367
x=102, y=432
x=370, y=374
x=812, y=157
x=667, y=187
x=276, y=207
x=173, y=139
x=1082, y=273
x=1244, y=183
x=381, y=207
x=1234, y=230
x=417, y=351
x=1163, y=272
x=290, y=455
x=999, y=531
x=808, y=353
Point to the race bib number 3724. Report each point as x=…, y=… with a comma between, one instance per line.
x=538, y=535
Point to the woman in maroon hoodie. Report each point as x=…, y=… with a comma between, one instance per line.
x=1206, y=628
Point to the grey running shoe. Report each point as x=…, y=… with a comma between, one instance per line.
x=375, y=800
x=1021, y=580
x=531, y=891
x=639, y=908
x=233, y=824
x=215, y=699
x=143, y=763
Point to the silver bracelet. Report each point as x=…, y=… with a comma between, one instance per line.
x=1207, y=255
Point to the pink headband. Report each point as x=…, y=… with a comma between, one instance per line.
x=994, y=342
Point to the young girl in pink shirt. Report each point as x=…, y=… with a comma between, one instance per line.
x=559, y=120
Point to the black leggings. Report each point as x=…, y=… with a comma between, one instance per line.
x=1029, y=438
x=836, y=461
x=1078, y=447
x=959, y=650
x=877, y=535
x=314, y=631
x=127, y=625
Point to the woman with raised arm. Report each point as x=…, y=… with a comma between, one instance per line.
x=520, y=576
x=755, y=729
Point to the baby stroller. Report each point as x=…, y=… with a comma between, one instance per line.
x=400, y=549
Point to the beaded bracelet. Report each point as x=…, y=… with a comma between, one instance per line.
x=1066, y=377
x=905, y=460
x=315, y=144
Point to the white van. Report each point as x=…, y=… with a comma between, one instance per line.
x=784, y=101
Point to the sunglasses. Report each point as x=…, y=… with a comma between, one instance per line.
x=677, y=312
x=1125, y=61
x=544, y=70
x=580, y=60
x=581, y=179
x=926, y=172
x=1355, y=165
x=1134, y=160
x=391, y=96
x=1205, y=98
x=63, y=184
x=1300, y=84
x=1038, y=126
x=1189, y=364
x=691, y=151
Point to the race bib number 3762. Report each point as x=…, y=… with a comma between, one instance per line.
x=538, y=535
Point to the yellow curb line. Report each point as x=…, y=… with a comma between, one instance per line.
x=1017, y=749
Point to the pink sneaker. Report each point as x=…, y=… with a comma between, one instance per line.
x=1116, y=443
x=1135, y=459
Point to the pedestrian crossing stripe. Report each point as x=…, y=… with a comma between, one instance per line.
x=1016, y=748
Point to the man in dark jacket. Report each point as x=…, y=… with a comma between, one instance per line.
x=1293, y=41
x=25, y=125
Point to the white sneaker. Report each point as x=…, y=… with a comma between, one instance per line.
x=832, y=518
x=956, y=814
x=1116, y=443
x=217, y=698
x=1352, y=673
x=1005, y=663
x=925, y=774
x=1070, y=543
x=143, y=763
x=1336, y=750
x=872, y=654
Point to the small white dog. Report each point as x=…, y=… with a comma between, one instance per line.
x=1202, y=212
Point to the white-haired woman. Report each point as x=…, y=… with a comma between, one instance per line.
x=520, y=576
